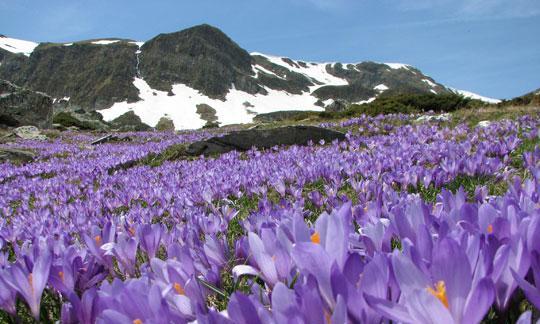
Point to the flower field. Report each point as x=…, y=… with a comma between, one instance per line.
x=406, y=221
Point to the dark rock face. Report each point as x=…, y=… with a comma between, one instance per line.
x=130, y=122
x=365, y=76
x=263, y=139
x=93, y=76
x=202, y=57
x=19, y=106
x=289, y=81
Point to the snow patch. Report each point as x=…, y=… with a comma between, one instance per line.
x=430, y=83
x=328, y=102
x=381, y=87
x=397, y=66
x=105, y=42
x=365, y=101
x=181, y=107
x=17, y=46
x=314, y=71
x=140, y=44
x=471, y=95
x=258, y=68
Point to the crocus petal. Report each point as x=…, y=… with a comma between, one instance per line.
x=408, y=276
x=532, y=293
x=340, y=311
x=244, y=270
x=426, y=308
x=390, y=310
x=525, y=318
x=263, y=260
x=479, y=302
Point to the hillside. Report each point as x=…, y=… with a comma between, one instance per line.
x=172, y=74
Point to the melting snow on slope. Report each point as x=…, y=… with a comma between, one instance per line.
x=365, y=101
x=472, y=95
x=430, y=83
x=105, y=42
x=381, y=87
x=315, y=71
x=397, y=66
x=17, y=46
x=181, y=107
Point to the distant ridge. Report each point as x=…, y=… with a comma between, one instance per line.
x=172, y=74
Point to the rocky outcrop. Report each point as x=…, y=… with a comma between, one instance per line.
x=129, y=122
x=20, y=106
x=263, y=139
x=202, y=57
x=165, y=124
x=29, y=133
x=81, y=120
x=207, y=113
x=92, y=76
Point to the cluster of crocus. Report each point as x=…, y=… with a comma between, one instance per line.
x=338, y=232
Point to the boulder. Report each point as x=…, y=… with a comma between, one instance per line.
x=29, y=133
x=207, y=113
x=130, y=122
x=165, y=124
x=263, y=139
x=14, y=155
x=81, y=119
x=19, y=106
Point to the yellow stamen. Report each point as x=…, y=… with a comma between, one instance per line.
x=179, y=289
x=61, y=275
x=137, y=321
x=131, y=231
x=316, y=238
x=97, y=238
x=490, y=229
x=439, y=292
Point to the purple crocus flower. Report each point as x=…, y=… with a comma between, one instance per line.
x=445, y=295
x=31, y=284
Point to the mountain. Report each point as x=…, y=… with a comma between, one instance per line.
x=195, y=76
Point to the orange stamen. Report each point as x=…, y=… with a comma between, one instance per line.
x=316, y=238
x=440, y=293
x=61, y=275
x=97, y=238
x=137, y=321
x=179, y=289
x=490, y=229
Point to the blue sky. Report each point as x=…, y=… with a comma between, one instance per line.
x=486, y=46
